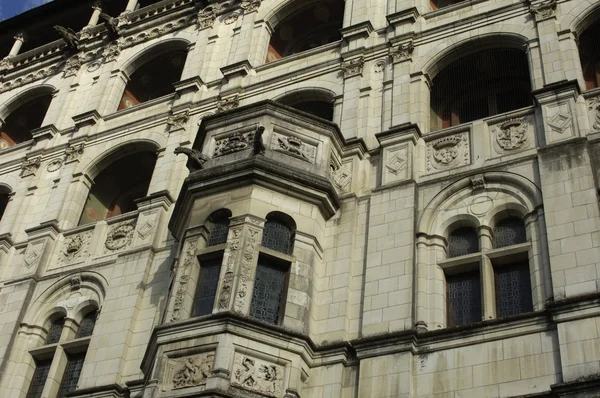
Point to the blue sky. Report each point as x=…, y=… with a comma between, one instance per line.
x=10, y=8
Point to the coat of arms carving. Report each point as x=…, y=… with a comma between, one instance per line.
x=512, y=134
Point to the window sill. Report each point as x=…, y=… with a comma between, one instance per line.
x=508, y=251
x=143, y=105
x=451, y=8
x=304, y=54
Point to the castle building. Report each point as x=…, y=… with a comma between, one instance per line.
x=300, y=198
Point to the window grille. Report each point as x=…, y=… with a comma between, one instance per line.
x=464, y=299
x=513, y=290
x=86, y=328
x=509, y=232
x=55, y=331
x=268, y=293
x=277, y=236
x=71, y=376
x=39, y=379
x=207, y=287
x=463, y=241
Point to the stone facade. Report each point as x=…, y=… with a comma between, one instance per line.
x=373, y=195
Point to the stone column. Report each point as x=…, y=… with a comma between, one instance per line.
x=131, y=6
x=487, y=275
x=95, y=15
x=545, y=18
x=16, y=47
x=352, y=70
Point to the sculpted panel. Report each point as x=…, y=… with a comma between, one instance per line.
x=188, y=372
x=257, y=375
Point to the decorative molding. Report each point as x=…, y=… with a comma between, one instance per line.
x=594, y=106
x=190, y=255
x=232, y=250
x=544, y=10
x=560, y=122
x=294, y=146
x=353, y=67
x=54, y=165
x=250, y=6
x=397, y=163
x=511, y=134
x=30, y=166
x=448, y=152
x=478, y=181
x=258, y=375
x=226, y=104
x=129, y=41
x=73, y=152
x=39, y=74
x=402, y=52
x=190, y=371
x=33, y=253
x=341, y=175
x=120, y=236
x=248, y=252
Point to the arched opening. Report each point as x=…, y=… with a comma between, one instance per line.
x=118, y=186
x=435, y=4
x=480, y=85
x=18, y=125
x=154, y=78
x=307, y=28
x=316, y=103
x=589, y=54
x=3, y=203
x=278, y=233
x=463, y=241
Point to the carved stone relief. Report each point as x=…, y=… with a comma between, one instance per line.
x=558, y=122
x=145, y=225
x=232, y=251
x=189, y=256
x=341, y=175
x=234, y=143
x=30, y=166
x=594, y=107
x=294, y=146
x=402, y=52
x=448, y=152
x=250, y=5
x=397, y=161
x=54, y=165
x=512, y=135
x=33, y=253
x=248, y=252
x=258, y=375
x=74, y=152
x=226, y=104
x=119, y=237
x=31, y=77
x=544, y=10
x=74, y=248
x=178, y=121
x=188, y=371
x=353, y=67
x=129, y=41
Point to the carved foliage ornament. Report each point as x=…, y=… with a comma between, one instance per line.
x=353, y=67
x=226, y=104
x=192, y=371
x=594, y=106
x=234, y=245
x=246, y=270
x=402, y=52
x=190, y=253
x=544, y=10
x=261, y=376
x=512, y=134
x=120, y=237
x=30, y=166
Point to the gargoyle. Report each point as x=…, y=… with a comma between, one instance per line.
x=259, y=145
x=195, y=158
x=69, y=36
x=111, y=23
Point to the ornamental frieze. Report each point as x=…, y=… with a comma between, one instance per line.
x=184, y=276
x=248, y=253
x=448, y=152
x=234, y=239
x=258, y=375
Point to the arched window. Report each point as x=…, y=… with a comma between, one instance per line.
x=3, y=203
x=272, y=270
x=311, y=27
x=589, y=54
x=117, y=187
x=55, y=331
x=435, y=4
x=317, y=104
x=210, y=262
x=154, y=78
x=463, y=241
x=480, y=85
x=18, y=125
x=508, y=232
x=86, y=327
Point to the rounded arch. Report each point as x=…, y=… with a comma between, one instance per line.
x=316, y=101
x=507, y=210
x=282, y=10
x=117, y=152
x=436, y=216
x=581, y=17
x=23, y=97
x=282, y=217
x=67, y=297
x=149, y=53
x=458, y=221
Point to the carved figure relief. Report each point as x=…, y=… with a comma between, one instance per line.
x=178, y=121
x=594, y=106
x=227, y=286
x=294, y=146
x=544, y=10
x=257, y=375
x=402, y=52
x=30, y=166
x=74, y=152
x=195, y=157
x=234, y=143
x=353, y=67
x=511, y=135
x=120, y=236
x=226, y=104
x=189, y=258
x=74, y=247
x=448, y=152
x=246, y=268
x=191, y=371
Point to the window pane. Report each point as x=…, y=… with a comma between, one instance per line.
x=513, y=290
x=463, y=241
x=207, y=287
x=72, y=373
x=55, y=331
x=277, y=236
x=509, y=232
x=464, y=299
x=39, y=378
x=87, y=325
x=268, y=293
x=218, y=233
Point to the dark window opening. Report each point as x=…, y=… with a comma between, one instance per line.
x=18, y=125
x=268, y=294
x=480, y=85
x=3, y=204
x=71, y=375
x=277, y=235
x=154, y=79
x=463, y=241
x=40, y=375
x=435, y=4
x=218, y=224
x=320, y=109
x=464, y=298
x=513, y=290
x=508, y=232
x=206, y=290
x=312, y=27
x=117, y=187
x=88, y=322
x=55, y=331
x=589, y=54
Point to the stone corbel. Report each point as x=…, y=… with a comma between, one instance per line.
x=544, y=10
x=353, y=67
x=226, y=104
x=44, y=132
x=178, y=121
x=30, y=166
x=250, y=6
x=73, y=152
x=402, y=52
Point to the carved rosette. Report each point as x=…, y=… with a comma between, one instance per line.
x=594, y=107
x=511, y=135
x=294, y=146
x=186, y=268
x=119, y=237
x=247, y=261
x=544, y=10
x=353, y=67
x=188, y=371
x=258, y=375
x=402, y=52
x=227, y=104
x=234, y=143
x=30, y=166
x=448, y=152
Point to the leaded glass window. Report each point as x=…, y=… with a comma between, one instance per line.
x=206, y=289
x=463, y=241
x=71, y=375
x=464, y=298
x=218, y=233
x=509, y=232
x=86, y=328
x=513, y=290
x=55, y=331
x=38, y=380
x=277, y=236
x=268, y=291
